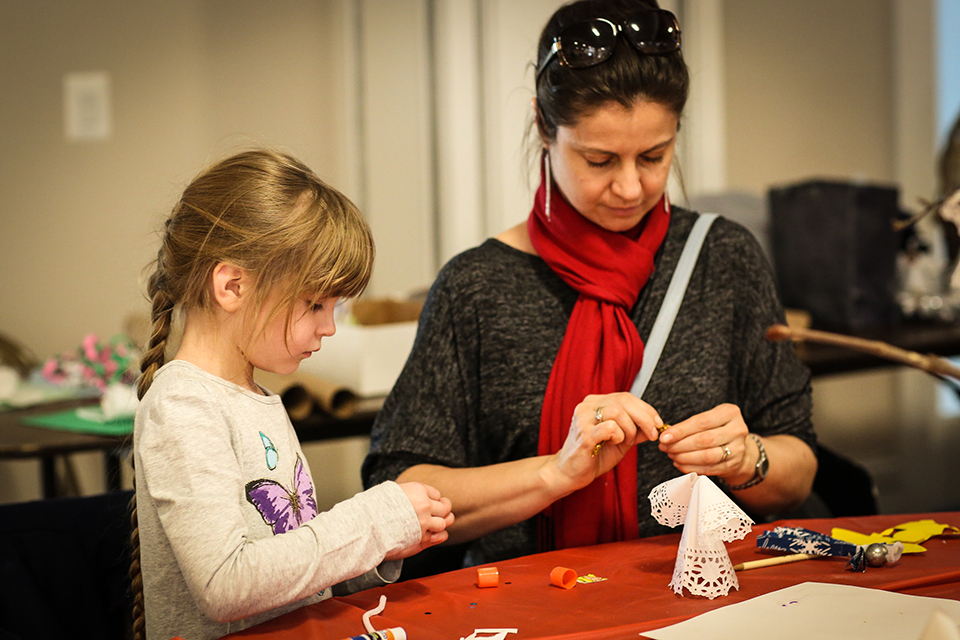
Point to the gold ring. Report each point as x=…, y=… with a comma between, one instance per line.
x=599, y=414
x=596, y=450
x=663, y=427
x=726, y=452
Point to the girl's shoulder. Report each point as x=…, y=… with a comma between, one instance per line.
x=177, y=372
x=183, y=379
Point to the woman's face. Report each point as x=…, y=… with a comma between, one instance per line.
x=613, y=164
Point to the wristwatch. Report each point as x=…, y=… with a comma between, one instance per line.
x=763, y=466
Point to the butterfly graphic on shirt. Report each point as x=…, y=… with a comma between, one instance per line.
x=284, y=509
x=271, y=451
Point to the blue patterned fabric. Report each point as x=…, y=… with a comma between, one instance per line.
x=800, y=540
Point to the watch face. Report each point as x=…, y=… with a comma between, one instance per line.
x=763, y=466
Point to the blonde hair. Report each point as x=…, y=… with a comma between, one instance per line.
x=269, y=214
x=264, y=212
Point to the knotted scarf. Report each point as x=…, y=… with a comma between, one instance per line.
x=601, y=353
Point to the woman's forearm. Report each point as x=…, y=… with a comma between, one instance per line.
x=487, y=499
x=793, y=466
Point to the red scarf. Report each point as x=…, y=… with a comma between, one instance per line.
x=601, y=353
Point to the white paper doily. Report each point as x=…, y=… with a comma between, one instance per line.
x=709, y=519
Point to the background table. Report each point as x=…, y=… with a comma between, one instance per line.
x=635, y=597
x=19, y=441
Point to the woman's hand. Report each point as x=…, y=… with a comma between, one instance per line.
x=712, y=443
x=434, y=514
x=603, y=429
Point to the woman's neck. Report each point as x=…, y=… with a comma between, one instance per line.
x=210, y=343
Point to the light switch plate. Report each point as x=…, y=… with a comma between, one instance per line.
x=86, y=106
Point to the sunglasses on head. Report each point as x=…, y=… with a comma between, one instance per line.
x=584, y=44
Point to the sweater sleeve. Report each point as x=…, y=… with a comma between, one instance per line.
x=192, y=473
x=427, y=419
x=767, y=379
x=773, y=384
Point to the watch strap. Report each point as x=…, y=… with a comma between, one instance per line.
x=758, y=477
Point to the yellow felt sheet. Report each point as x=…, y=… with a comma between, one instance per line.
x=911, y=534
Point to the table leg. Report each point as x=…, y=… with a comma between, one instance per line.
x=112, y=470
x=48, y=476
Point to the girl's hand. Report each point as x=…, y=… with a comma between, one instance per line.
x=603, y=429
x=712, y=443
x=434, y=513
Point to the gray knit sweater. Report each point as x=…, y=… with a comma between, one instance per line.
x=472, y=389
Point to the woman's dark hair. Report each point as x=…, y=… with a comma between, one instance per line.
x=565, y=95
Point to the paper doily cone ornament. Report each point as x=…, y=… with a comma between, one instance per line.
x=709, y=519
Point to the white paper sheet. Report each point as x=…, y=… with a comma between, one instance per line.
x=815, y=610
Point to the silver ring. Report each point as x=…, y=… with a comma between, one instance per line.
x=726, y=452
x=599, y=414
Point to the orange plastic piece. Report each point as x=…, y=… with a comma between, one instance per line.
x=563, y=577
x=488, y=577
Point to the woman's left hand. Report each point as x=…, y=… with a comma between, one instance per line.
x=712, y=443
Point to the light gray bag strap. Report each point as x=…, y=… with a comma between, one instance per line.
x=671, y=302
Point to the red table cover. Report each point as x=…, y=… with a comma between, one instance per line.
x=635, y=596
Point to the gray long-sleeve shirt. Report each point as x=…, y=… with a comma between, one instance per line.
x=472, y=389
x=222, y=487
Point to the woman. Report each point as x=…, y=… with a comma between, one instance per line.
x=514, y=400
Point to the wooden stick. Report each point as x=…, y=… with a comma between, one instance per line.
x=930, y=363
x=928, y=207
x=769, y=562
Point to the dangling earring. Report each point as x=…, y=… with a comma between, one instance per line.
x=546, y=171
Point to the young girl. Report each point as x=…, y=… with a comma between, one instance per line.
x=226, y=530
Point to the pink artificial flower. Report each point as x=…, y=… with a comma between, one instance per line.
x=90, y=346
x=51, y=371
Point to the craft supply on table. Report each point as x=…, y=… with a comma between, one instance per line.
x=70, y=421
x=776, y=560
x=393, y=633
x=813, y=610
x=911, y=534
x=488, y=577
x=709, y=518
x=563, y=577
x=797, y=540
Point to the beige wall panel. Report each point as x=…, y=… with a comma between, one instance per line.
x=75, y=218
x=397, y=143
x=191, y=80
x=809, y=91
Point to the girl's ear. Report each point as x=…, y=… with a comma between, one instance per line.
x=230, y=285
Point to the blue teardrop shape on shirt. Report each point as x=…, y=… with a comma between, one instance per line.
x=272, y=456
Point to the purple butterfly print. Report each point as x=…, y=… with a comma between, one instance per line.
x=281, y=509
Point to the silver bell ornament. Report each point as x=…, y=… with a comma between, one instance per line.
x=876, y=554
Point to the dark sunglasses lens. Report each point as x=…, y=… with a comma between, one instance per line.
x=585, y=44
x=653, y=32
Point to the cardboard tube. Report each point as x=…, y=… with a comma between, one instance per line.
x=563, y=577
x=302, y=392
x=488, y=577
